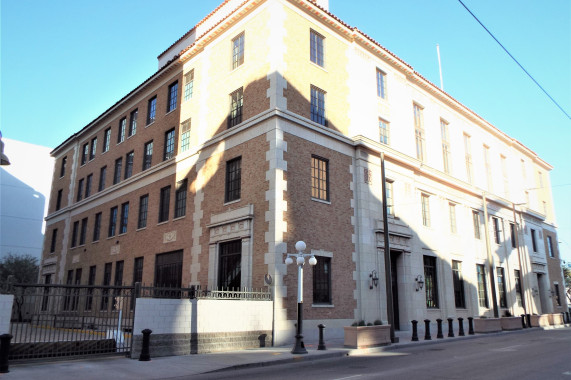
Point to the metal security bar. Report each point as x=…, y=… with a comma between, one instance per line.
x=197, y=292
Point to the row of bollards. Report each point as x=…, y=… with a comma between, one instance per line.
x=439, y=334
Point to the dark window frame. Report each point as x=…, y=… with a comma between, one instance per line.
x=129, y=158
x=151, y=110
x=317, y=105
x=97, y=226
x=74, y=234
x=233, y=182
x=84, y=153
x=230, y=265
x=458, y=280
x=168, y=151
x=533, y=240
x=320, y=178
x=121, y=131
x=482, y=286
x=236, y=107
x=172, y=97
x=502, y=294
x=93, y=149
x=118, y=170
x=102, y=178
x=83, y=233
x=238, y=50
x=431, y=281
x=133, y=122
x=106, y=140
x=53, y=241
x=62, y=167
x=381, y=84
x=164, y=204
x=322, y=291
x=112, y=230
x=316, y=48
x=124, y=218
x=148, y=155
x=180, y=198
x=143, y=211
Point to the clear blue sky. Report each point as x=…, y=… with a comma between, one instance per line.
x=64, y=62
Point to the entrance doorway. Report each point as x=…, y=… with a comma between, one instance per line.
x=395, y=256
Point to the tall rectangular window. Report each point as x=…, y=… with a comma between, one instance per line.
x=84, y=153
x=496, y=223
x=106, y=282
x=550, y=247
x=185, y=135
x=556, y=294
x=129, y=164
x=59, y=199
x=97, y=227
x=180, y=199
x=384, y=131
x=112, y=222
x=164, y=204
x=62, y=167
x=488, y=168
x=148, y=155
x=458, y=280
x=430, y=282
x=133, y=122
x=106, y=139
x=168, y=271
x=318, y=106
x=236, y=106
x=83, y=234
x=151, y=110
x=90, y=281
x=233, y=180
x=117, y=173
x=452, y=216
x=119, y=273
x=172, y=97
x=238, y=50
x=468, y=158
x=322, y=281
x=88, y=182
x=93, y=148
x=74, y=233
x=124, y=218
x=138, y=270
x=169, y=145
x=381, y=84
x=419, y=132
x=102, y=175
x=445, y=145
x=533, y=240
x=425, y=204
x=230, y=265
x=188, y=84
x=121, y=131
x=482, y=289
x=390, y=197
x=512, y=235
x=54, y=241
x=319, y=178
x=79, y=190
x=143, y=209
x=517, y=280
x=502, y=287
x=316, y=50
x=476, y=222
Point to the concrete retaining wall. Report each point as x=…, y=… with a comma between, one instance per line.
x=6, y=301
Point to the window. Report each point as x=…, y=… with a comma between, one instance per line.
x=148, y=155
x=133, y=122
x=106, y=139
x=419, y=132
x=322, y=281
x=458, y=284
x=185, y=135
x=172, y=97
x=452, y=216
x=425, y=204
x=83, y=234
x=180, y=199
x=468, y=158
x=93, y=148
x=390, y=198
x=62, y=167
x=319, y=178
x=316, y=47
x=54, y=241
x=124, y=218
x=102, y=175
x=188, y=84
x=119, y=272
x=168, y=270
x=138, y=270
x=512, y=235
x=229, y=265
x=430, y=282
x=106, y=282
x=238, y=50
x=233, y=180
x=496, y=223
x=80, y=190
x=445, y=145
x=502, y=287
x=550, y=247
x=488, y=167
x=164, y=204
x=533, y=240
x=117, y=174
x=318, y=106
x=482, y=290
x=84, y=153
x=88, y=182
x=169, y=145
x=556, y=294
x=476, y=222
x=112, y=222
x=97, y=227
x=151, y=110
x=121, y=131
x=129, y=164
x=74, y=233
x=59, y=199
x=381, y=84
x=384, y=131
x=143, y=208
x=517, y=277
x=90, y=281
x=236, y=105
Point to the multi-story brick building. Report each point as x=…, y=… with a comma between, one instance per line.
x=264, y=125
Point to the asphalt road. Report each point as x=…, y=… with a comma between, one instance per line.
x=541, y=354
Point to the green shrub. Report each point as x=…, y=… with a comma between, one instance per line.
x=377, y=322
x=362, y=323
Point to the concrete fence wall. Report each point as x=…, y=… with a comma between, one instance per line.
x=6, y=301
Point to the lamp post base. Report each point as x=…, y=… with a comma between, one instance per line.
x=299, y=347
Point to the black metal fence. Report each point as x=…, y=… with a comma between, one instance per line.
x=197, y=292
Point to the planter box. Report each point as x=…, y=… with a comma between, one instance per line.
x=540, y=320
x=511, y=323
x=488, y=325
x=367, y=336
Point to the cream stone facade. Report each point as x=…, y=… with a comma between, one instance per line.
x=277, y=125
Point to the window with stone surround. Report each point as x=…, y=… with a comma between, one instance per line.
x=233, y=180
x=319, y=178
x=322, y=281
x=430, y=282
x=230, y=264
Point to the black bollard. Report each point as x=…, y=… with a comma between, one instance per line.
x=321, y=345
x=470, y=326
x=145, y=355
x=528, y=318
x=460, y=326
x=523, y=326
x=450, y=328
x=567, y=314
x=414, y=331
x=427, y=330
x=439, y=333
x=4, y=352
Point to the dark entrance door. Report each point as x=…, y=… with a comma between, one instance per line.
x=394, y=257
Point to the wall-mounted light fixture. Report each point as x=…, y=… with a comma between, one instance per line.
x=374, y=279
x=419, y=282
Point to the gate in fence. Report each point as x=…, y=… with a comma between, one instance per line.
x=70, y=320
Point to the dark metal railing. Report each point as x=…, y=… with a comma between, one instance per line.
x=197, y=292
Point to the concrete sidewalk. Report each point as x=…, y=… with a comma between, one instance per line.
x=119, y=367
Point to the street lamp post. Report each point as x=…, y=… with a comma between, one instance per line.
x=299, y=347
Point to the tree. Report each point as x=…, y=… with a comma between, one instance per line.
x=24, y=268
x=567, y=279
